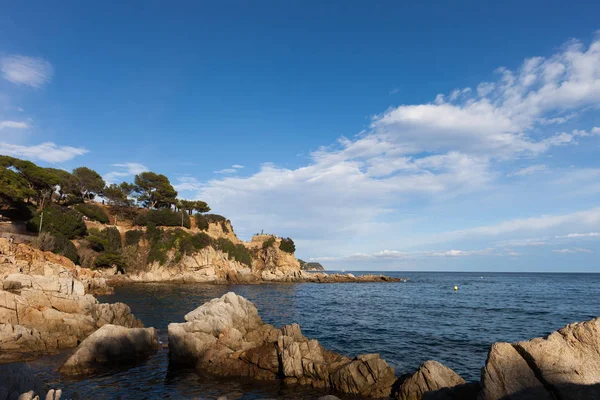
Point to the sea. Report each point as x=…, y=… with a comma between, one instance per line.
x=407, y=323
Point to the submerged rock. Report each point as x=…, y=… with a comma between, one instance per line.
x=430, y=377
x=111, y=346
x=565, y=365
x=17, y=381
x=227, y=337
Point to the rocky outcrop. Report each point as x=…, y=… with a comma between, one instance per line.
x=430, y=377
x=227, y=337
x=47, y=314
x=44, y=307
x=565, y=365
x=24, y=259
x=18, y=382
x=111, y=346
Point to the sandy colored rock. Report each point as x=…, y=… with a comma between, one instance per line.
x=227, y=337
x=565, y=365
x=45, y=306
x=430, y=377
x=24, y=259
x=110, y=346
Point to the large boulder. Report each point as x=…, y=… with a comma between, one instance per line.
x=565, y=365
x=111, y=346
x=227, y=337
x=430, y=377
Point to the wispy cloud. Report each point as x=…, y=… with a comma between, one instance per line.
x=23, y=70
x=234, y=168
x=402, y=255
x=49, y=152
x=572, y=251
x=124, y=170
x=533, y=169
x=579, y=235
x=187, y=183
x=13, y=125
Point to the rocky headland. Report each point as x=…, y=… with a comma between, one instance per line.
x=227, y=337
x=267, y=263
x=47, y=304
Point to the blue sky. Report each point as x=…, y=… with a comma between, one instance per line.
x=378, y=135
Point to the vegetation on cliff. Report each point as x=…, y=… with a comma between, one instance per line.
x=57, y=204
x=310, y=266
x=287, y=245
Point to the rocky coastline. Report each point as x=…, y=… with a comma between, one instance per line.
x=47, y=304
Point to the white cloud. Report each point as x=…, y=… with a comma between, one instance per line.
x=572, y=251
x=226, y=171
x=401, y=255
x=49, y=152
x=499, y=116
x=579, y=235
x=596, y=130
x=420, y=153
x=124, y=170
x=234, y=168
x=187, y=183
x=23, y=70
x=533, y=169
x=586, y=217
x=13, y=125
x=523, y=243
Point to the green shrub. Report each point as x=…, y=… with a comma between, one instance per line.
x=132, y=238
x=59, y=221
x=163, y=217
x=268, y=243
x=93, y=211
x=18, y=212
x=202, y=221
x=107, y=239
x=108, y=260
x=287, y=245
x=235, y=252
x=177, y=241
x=57, y=244
x=124, y=213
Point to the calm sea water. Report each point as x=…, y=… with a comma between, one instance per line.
x=407, y=323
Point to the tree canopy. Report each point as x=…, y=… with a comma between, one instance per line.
x=89, y=182
x=154, y=190
x=193, y=205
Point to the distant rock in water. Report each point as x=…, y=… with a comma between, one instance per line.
x=227, y=337
x=310, y=266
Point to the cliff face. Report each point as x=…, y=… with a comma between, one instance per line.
x=222, y=230
x=206, y=265
x=212, y=265
x=269, y=257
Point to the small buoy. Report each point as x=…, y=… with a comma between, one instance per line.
x=455, y=288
